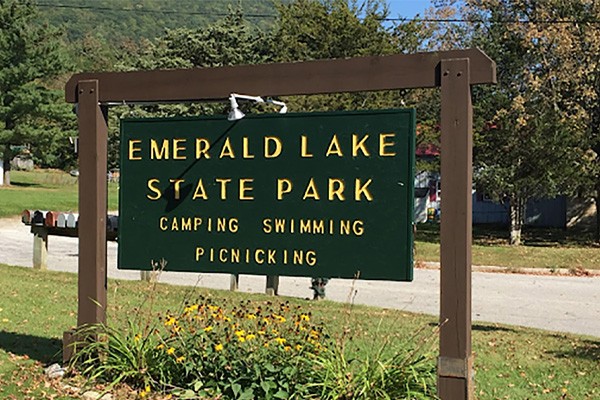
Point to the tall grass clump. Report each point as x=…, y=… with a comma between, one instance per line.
x=217, y=349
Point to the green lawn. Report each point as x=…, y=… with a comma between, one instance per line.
x=44, y=190
x=543, y=248
x=510, y=362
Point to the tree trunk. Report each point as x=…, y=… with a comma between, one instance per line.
x=597, y=199
x=517, y=218
x=6, y=165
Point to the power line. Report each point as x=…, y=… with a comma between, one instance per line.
x=150, y=11
x=260, y=15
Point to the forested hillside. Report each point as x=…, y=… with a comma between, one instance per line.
x=118, y=20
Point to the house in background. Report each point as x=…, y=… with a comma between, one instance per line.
x=560, y=212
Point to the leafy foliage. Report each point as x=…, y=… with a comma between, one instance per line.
x=30, y=55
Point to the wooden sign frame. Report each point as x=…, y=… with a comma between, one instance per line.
x=453, y=71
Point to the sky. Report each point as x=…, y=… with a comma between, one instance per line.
x=407, y=8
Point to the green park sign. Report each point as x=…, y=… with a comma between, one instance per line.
x=320, y=194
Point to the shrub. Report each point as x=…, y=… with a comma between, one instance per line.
x=252, y=350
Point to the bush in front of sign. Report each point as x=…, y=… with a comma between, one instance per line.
x=251, y=350
x=209, y=350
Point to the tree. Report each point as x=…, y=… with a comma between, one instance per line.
x=30, y=55
x=530, y=127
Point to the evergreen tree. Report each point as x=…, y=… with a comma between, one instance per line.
x=30, y=55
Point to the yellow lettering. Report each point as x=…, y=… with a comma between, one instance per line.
x=311, y=258
x=244, y=188
x=245, y=151
x=304, y=148
x=197, y=222
x=334, y=147
x=359, y=145
x=283, y=186
x=259, y=260
x=298, y=257
x=305, y=226
x=133, y=149
x=271, y=257
x=221, y=224
x=159, y=154
x=344, y=227
x=311, y=191
x=235, y=255
x=227, y=150
x=199, y=253
x=336, y=189
x=223, y=183
x=202, y=147
x=200, y=191
x=318, y=226
x=174, y=226
x=233, y=225
x=163, y=223
x=360, y=190
x=279, y=225
x=267, y=228
x=223, y=255
x=358, y=228
x=176, y=187
x=383, y=144
x=186, y=224
x=177, y=149
x=278, y=146
x=154, y=189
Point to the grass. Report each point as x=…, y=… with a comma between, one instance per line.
x=44, y=190
x=510, y=362
x=543, y=248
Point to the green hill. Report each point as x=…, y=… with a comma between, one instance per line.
x=119, y=20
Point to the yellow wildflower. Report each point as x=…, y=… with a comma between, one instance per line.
x=304, y=317
x=218, y=347
x=250, y=336
x=261, y=332
x=314, y=334
x=240, y=333
x=179, y=359
x=226, y=319
x=137, y=337
x=280, y=340
x=213, y=308
x=266, y=344
x=160, y=346
x=266, y=321
x=170, y=350
x=145, y=392
x=191, y=308
x=241, y=339
x=298, y=347
x=170, y=321
x=287, y=348
x=208, y=329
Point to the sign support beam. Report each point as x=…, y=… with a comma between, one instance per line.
x=93, y=134
x=455, y=376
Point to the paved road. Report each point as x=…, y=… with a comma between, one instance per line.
x=566, y=304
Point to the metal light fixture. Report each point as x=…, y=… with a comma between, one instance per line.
x=236, y=114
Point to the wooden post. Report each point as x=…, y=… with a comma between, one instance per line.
x=272, y=288
x=40, y=247
x=455, y=375
x=234, y=282
x=93, y=133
